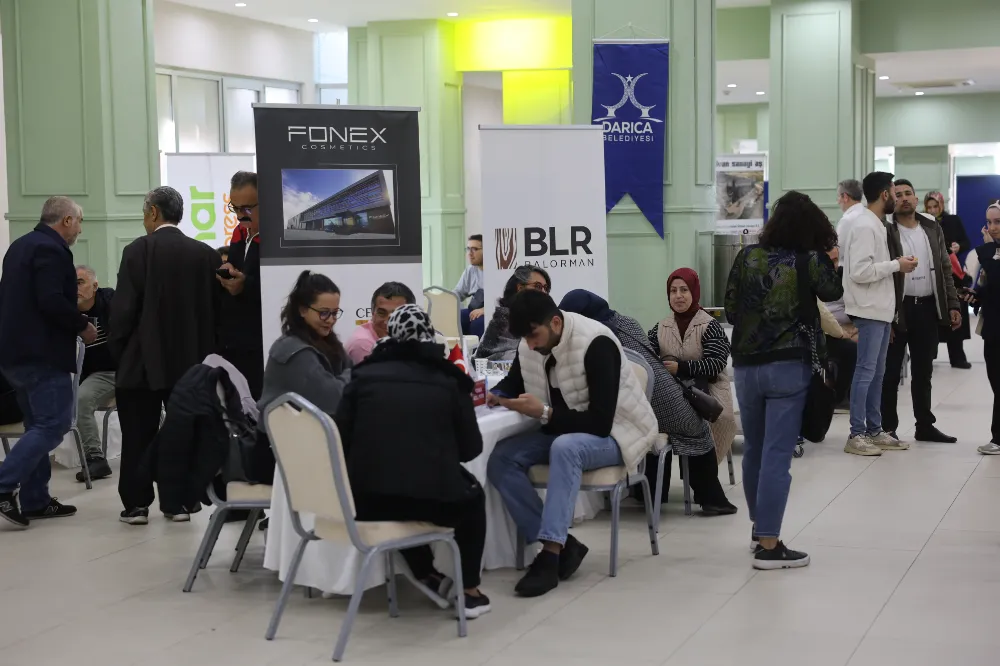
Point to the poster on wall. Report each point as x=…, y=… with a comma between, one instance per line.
x=339, y=194
x=630, y=105
x=543, y=206
x=203, y=181
x=741, y=193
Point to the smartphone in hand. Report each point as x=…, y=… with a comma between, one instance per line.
x=224, y=274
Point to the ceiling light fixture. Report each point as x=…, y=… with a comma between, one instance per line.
x=241, y=4
x=731, y=85
x=314, y=20
x=453, y=14
x=761, y=92
x=883, y=78
x=919, y=93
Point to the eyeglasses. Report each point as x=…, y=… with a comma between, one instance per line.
x=241, y=209
x=540, y=286
x=473, y=249
x=326, y=315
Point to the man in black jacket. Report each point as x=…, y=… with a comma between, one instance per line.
x=39, y=324
x=240, y=338
x=97, y=381
x=163, y=321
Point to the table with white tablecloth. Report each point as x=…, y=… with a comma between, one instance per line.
x=333, y=567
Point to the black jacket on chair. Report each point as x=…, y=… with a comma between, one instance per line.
x=194, y=442
x=407, y=422
x=165, y=312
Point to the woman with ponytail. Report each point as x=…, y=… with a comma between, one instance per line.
x=307, y=359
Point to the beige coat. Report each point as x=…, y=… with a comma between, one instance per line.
x=689, y=349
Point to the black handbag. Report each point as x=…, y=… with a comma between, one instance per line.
x=821, y=399
x=707, y=406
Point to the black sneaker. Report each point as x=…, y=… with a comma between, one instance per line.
x=571, y=557
x=99, y=469
x=11, y=511
x=542, y=576
x=754, y=541
x=779, y=557
x=726, y=509
x=932, y=434
x=52, y=510
x=476, y=606
x=135, y=516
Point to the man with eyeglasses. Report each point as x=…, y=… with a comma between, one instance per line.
x=385, y=300
x=471, y=286
x=240, y=338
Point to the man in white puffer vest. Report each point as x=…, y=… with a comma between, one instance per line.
x=571, y=374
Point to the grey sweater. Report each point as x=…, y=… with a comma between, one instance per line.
x=295, y=366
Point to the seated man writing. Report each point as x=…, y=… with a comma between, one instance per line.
x=571, y=374
x=97, y=381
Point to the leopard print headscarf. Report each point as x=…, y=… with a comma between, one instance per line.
x=410, y=322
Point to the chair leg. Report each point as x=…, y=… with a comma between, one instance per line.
x=216, y=524
x=352, y=608
x=83, y=457
x=204, y=551
x=463, y=627
x=687, y=485
x=286, y=589
x=6, y=446
x=104, y=434
x=732, y=473
x=616, y=504
x=390, y=582
x=519, y=547
x=241, y=545
x=658, y=502
x=654, y=542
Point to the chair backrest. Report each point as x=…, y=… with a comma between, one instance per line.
x=642, y=371
x=81, y=350
x=445, y=310
x=310, y=459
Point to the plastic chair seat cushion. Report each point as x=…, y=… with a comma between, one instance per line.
x=237, y=491
x=374, y=533
x=605, y=476
x=12, y=429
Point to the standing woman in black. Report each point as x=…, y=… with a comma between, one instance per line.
x=958, y=244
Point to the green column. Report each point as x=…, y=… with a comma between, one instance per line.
x=639, y=260
x=822, y=100
x=412, y=63
x=80, y=106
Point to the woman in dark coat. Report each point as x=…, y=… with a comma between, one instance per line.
x=958, y=244
x=497, y=343
x=408, y=423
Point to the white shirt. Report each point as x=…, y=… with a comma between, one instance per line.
x=918, y=283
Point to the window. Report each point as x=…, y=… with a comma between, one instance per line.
x=332, y=94
x=240, y=136
x=165, y=114
x=276, y=95
x=196, y=114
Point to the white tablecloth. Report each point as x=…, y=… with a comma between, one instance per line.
x=333, y=567
x=66, y=453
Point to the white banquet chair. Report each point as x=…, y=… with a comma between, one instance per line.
x=445, y=310
x=615, y=480
x=310, y=457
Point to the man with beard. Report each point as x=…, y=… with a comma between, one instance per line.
x=240, y=337
x=926, y=300
x=870, y=301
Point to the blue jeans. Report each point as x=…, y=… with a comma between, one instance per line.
x=771, y=398
x=46, y=400
x=568, y=457
x=472, y=327
x=866, y=387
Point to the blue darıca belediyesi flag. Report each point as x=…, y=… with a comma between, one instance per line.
x=630, y=103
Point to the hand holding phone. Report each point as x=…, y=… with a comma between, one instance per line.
x=224, y=274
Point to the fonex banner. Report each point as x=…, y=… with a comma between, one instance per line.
x=339, y=194
x=543, y=206
x=203, y=181
x=741, y=193
x=630, y=105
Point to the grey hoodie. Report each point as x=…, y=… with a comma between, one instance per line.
x=295, y=366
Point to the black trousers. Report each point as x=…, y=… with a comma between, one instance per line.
x=468, y=518
x=704, y=470
x=844, y=353
x=251, y=364
x=991, y=352
x=139, y=416
x=922, y=337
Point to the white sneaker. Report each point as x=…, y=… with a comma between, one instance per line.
x=887, y=442
x=861, y=445
x=991, y=449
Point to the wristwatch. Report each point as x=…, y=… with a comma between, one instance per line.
x=546, y=413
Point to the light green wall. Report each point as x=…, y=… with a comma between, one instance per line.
x=736, y=122
x=975, y=166
x=639, y=260
x=925, y=25
x=412, y=63
x=80, y=112
x=938, y=119
x=927, y=167
x=743, y=33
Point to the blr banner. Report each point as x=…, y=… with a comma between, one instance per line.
x=339, y=194
x=203, y=181
x=630, y=104
x=741, y=191
x=543, y=206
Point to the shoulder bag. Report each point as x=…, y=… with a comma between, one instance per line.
x=822, y=394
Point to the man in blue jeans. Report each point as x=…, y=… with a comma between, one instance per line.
x=571, y=374
x=870, y=301
x=39, y=324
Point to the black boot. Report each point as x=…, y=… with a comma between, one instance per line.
x=99, y=469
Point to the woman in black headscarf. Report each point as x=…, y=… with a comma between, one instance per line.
x=674, y=414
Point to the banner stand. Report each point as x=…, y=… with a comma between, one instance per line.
x=203, y=181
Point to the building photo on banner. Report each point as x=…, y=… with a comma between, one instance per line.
x=543, y=206
x=203, y=181
x=339, y=195
x=741, y=193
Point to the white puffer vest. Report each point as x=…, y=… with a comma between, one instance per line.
x=635, y=425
